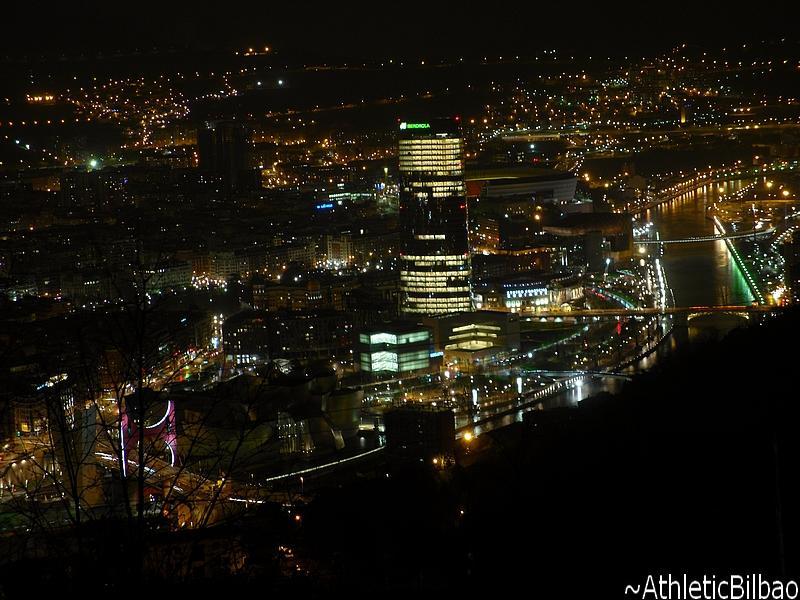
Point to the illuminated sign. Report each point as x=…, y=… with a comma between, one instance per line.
x=324, y=206
x=405, y=125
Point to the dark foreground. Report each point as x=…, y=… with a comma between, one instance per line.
x=692, y=468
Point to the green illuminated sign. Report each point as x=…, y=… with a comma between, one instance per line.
x=415, y=125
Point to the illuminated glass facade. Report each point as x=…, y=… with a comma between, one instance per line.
x=395, y=349
x=435, y=258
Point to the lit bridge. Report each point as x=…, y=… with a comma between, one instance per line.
x=573, y=373
x=690, y=312
x=711, y=238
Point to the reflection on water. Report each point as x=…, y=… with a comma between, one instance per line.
x=588, y=386
x=714, y=327
x=701, y=274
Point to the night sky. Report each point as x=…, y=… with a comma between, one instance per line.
x=387, y=28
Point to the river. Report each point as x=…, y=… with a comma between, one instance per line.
x=699, y=274
x=704, y=273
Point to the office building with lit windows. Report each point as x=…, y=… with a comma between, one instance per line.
x=435, y=258
x=395, y=348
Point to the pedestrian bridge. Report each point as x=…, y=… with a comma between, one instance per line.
x=711, y=238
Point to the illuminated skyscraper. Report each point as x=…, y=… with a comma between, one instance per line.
x=223, y=152
x=435, y=259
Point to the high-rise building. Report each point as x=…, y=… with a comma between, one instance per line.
x=435, y=258
x=791, y=257
x=223, y=152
